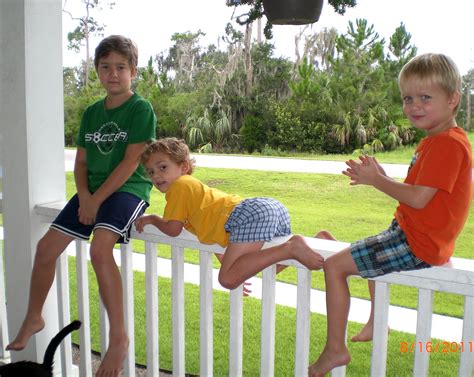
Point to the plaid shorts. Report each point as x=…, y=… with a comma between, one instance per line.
x=385, y=252
x=116, y=214
x=258, y=219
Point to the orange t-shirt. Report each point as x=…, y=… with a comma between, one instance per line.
x=444, y=162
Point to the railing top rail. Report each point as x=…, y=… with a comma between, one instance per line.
x=457, y=271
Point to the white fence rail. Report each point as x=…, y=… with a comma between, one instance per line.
x=458, y=277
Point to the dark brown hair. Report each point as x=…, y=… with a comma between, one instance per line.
x=119, y=44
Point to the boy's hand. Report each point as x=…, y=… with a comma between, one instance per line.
x=363, y=172
x=379, y=167
x=144, y=220
x=87, y=209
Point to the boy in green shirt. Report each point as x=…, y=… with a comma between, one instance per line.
x=112, y=191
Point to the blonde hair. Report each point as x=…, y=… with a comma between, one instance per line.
x=176, y=149
x=432, y=68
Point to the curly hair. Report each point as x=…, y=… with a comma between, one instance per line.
x=176, y=149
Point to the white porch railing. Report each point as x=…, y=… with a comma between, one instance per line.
x=457, y=277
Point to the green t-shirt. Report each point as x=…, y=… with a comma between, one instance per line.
x=106, y=133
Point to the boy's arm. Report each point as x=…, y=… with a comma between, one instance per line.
x=82, y=187
x=171, y=228
x=368, y=173
x=89, y=203
x=121, y=173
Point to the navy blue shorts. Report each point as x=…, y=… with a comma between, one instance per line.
x=117, y=214
x=258, y=219
x=385, y=252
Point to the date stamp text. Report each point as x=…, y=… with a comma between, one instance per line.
x=437, y=347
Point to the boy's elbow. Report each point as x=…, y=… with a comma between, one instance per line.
x=420, y=202
x=173, y=233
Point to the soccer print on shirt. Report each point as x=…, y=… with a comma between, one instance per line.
x=106, y=137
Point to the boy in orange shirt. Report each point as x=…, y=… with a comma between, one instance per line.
x=433, y=200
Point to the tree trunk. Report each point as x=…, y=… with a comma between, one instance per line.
x=468, y=103
x=248, y=59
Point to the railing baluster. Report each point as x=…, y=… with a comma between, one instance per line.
x=85, y=367
x=177, y=256
x=466, y=366
x=423, y=331
x=128, y=300
x=62, y=277
x=267, y=343
x=303, y=317
x=152, y=342
x=235, y=333
x=104, y=328
x=206, y=318
x=341, y=371
x=4, y=354
x=379, y=346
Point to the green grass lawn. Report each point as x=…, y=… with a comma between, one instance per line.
x=315, y=202
x=399, y=363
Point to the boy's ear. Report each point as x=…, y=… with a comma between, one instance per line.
x=454, y=99
x=184, y=167
x=134, y=71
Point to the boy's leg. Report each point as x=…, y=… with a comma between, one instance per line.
x=337, y=268
x=367, y=332
x=111, y=293
x=243, y=260
x=48, y=250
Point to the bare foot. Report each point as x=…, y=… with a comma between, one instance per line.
x=325, y=235
x=28, y=328
x=246, y=290
x=300, y=251
x=328, y=361
x=366, y=334
x=112, y=362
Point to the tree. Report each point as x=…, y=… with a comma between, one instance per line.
x=466, y=105
x=183, y=57
x=87, y=27
x=318, y=48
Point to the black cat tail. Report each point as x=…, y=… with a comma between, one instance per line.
x=53, y=345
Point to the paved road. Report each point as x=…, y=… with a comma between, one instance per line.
x=268, y=164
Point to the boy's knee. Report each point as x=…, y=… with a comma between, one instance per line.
x=330, y=265
x=227, y=281
x=98, y=257
x=44, y=253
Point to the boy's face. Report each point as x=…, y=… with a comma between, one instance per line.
x=115, y=74
x=428, y=106
x=163, y=171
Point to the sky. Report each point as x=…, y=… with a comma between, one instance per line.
x=435, y=25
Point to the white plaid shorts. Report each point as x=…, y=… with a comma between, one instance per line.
x=258, y=219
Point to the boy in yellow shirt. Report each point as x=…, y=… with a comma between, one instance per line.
x=241, y=226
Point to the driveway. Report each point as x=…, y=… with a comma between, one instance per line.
x=268, y=164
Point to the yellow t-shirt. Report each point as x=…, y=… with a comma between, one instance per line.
x=203, y=210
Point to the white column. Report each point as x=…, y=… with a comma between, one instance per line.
x=31, y=124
